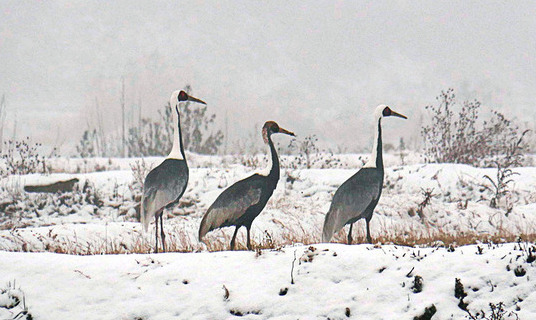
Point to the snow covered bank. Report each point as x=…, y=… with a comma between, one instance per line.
x=459, y=204
x=331, y=280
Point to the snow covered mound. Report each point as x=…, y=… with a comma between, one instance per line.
x=419, y=201
x=331, y=281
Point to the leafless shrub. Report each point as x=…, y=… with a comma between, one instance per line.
x=308, y=155
x=23, y=157
x=155, y=137
x=497, y=312
x=87, y=146
x=150, y=138
x=13, y=300
x=499, y=187
x=402, y=151
x=139, y=169
x=455, y=135
x=196, y=122
x=305, y=149
x=94, y=143
x=428, y=194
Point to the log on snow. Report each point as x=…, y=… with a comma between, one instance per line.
x=59, y=186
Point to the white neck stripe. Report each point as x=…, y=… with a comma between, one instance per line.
x=176, y=150
x=374, y=154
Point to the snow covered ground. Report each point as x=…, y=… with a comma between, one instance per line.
x=331, y=281
x=103, y=218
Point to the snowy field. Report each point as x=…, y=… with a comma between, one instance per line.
x=103, y=218
x=332, y=281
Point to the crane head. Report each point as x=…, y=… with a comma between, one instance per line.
x=384, y=111
x=181, y=96
x=271, y=127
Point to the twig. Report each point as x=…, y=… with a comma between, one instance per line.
x=83, y=274
x=292, y=269
x=226, y=295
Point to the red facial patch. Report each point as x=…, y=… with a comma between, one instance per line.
x=183, y=96
x=265, y=134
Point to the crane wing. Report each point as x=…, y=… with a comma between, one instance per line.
x=351, y=200
x=163, y=186
x=231, y=204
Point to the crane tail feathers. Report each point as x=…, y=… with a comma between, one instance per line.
x=326, y=234
x=329, y=228
x=203, y=228
x=143, y=215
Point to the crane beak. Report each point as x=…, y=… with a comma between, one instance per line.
x=190, y=98
x=396, y=114
x=281, y=130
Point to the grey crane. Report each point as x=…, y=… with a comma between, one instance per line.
x=165, y=184
x=357, y=197
x=242, y=202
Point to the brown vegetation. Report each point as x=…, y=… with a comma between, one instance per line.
x=178, y=240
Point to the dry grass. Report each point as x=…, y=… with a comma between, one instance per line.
x=178, y=240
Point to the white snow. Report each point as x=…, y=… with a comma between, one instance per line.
x=143, y=286
x=372, y=281
x=296, y=210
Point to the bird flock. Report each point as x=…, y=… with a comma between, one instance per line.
x=243, y=201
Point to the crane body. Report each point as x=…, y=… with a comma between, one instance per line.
x=358, y=196
x=243, y=201
x=166, y=184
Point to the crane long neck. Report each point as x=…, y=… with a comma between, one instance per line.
x=177, y=152
x=376, y=157
x=274, y=171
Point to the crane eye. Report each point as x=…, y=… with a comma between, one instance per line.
x=386, y=112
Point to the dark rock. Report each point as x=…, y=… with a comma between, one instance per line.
x=428, y=313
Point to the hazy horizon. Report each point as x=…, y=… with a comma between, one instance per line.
x=311, y=67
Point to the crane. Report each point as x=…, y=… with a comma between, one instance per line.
x=357, y=197
x=165, y=184
x=243, y=201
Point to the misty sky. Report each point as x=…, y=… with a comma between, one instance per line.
x=316, y=67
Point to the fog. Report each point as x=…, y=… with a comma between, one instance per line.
x=315, y=67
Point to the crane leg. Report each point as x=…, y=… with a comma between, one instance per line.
x=156, y=233
x=162, y=234
x=369, y=239
x=233, y=239
x=350, y=234
x=249, y=239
